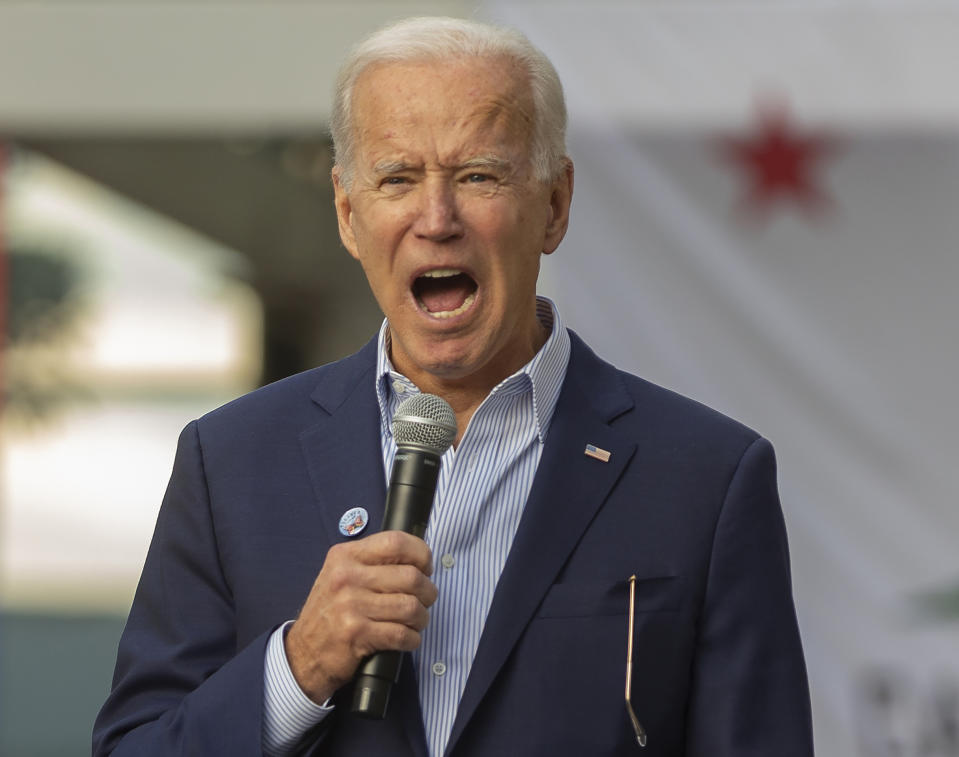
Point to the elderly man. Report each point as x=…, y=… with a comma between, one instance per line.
x=581, y=513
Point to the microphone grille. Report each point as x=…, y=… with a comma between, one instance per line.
x=425, y=421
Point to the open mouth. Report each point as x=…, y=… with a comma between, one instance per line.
x=444, y=292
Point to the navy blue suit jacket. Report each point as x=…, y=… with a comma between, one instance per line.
x=687, y=502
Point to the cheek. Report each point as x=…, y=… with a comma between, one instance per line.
x=516, y=237
x=378, y=218
x=523, y=217
x=502, y=220
x=378, y=237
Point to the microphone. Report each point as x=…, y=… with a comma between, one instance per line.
x=424, y=427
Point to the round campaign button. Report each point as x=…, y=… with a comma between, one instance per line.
x=354, y=521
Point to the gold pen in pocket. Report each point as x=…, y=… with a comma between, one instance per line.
x=637, y=726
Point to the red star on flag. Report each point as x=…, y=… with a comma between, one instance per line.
x=779, y=162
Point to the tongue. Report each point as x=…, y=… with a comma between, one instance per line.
x=441, y=295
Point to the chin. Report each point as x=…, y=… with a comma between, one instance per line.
x=446, y=364
x=450, y=369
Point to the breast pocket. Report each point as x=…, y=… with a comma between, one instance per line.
x=591, y=599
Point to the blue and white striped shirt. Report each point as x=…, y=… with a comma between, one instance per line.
x=483, y=487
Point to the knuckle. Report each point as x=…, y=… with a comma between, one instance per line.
x=420, y=620
x=408, y=606
x=401, y=637
x=413, y=640
x=336, y=553
x=394, y=541
x=337, y=579
x=338, y=560
x=352, y=626
x=421, y=554
x=408, y=575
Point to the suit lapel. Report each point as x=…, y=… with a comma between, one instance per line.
x=345, y=459
x=568, y=490
x=343, y=451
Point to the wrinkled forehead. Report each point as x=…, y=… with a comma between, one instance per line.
x=492, y=93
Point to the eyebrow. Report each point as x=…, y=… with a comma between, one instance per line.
x=387, y=167
x=390, y=166
x=488, y=161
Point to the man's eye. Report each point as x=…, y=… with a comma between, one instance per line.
x=477, y=178
x=394, y=180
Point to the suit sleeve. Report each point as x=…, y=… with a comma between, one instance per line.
x=181, y=686
x=750, y=696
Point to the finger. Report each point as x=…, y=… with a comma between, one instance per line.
x=398, y=608
x=394, y=547
x=390, y=636
x=397, y=579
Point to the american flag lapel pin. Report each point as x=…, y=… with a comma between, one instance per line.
x=597, y=452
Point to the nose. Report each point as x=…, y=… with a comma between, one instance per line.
x=438, y=217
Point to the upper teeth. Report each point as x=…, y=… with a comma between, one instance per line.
x=441, y=273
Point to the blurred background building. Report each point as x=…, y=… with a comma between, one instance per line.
x=765, y=219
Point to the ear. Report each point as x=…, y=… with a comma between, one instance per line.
x=561, y=196
x=344, y=214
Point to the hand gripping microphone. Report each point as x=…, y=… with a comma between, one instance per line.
x=424, y=427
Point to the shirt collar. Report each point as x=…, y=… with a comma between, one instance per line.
x=543, y=374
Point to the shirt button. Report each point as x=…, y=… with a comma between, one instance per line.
x=439, y=668
x=447, y=561
x=399, y=387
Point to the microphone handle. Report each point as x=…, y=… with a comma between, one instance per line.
x=408, y=504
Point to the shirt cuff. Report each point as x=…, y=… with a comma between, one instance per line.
x=288, y=713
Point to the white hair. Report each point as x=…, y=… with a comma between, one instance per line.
x=437, y=38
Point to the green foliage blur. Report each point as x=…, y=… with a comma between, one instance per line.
x=45, y=303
